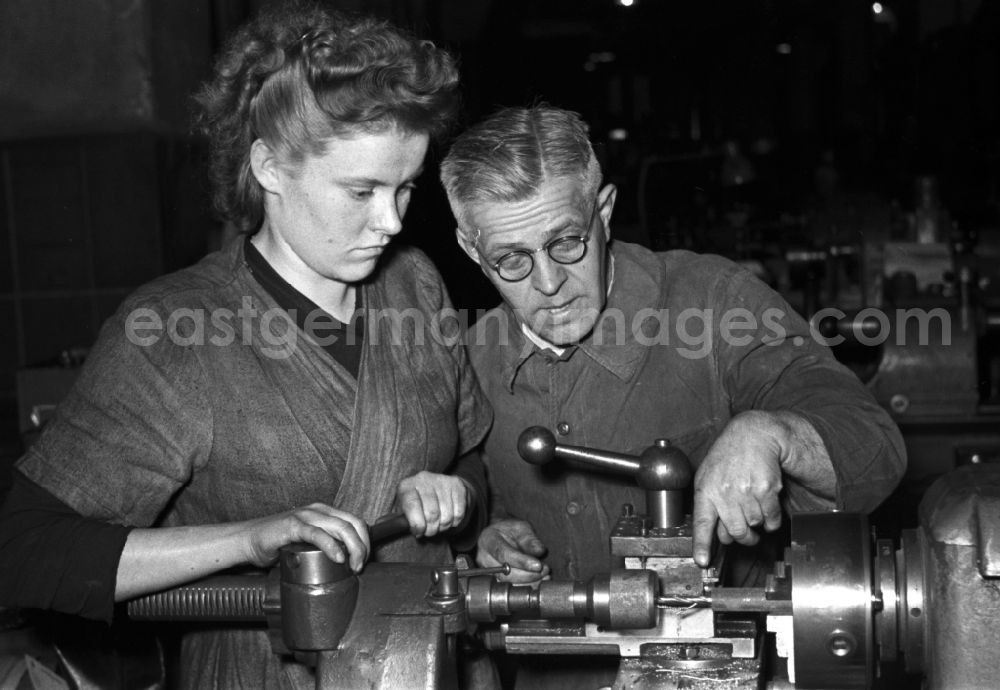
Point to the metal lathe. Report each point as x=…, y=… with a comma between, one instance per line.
x=840, y=608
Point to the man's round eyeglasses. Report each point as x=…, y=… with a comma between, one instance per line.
x=568, y=249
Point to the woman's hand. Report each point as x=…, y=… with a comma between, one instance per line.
x=338, y=534
x=433, y=502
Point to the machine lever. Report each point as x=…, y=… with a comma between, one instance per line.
x=474, y=572
x=395, y=524
x=388, y=526
x=663, y=470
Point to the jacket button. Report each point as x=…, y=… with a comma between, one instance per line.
x=563, y=428
x=573, y=508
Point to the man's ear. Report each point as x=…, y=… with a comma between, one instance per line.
x=466, y=243
x=265, y=166
x=606, y=205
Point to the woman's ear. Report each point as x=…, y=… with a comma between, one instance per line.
x=265, y=166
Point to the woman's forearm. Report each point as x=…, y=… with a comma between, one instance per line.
x=160, y=558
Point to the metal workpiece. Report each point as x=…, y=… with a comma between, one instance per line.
x=487, y=599
x=615, y=600
x=623, y=599
x=830, y=559
x=684, y=601
x=774, y=598
x=747, y=600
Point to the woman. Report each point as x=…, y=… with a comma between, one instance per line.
x=237, y=406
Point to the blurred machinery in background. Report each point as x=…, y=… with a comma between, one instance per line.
x=905, y=297
x=925, y=335
x=843, y=609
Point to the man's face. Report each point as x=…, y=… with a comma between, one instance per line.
x=560, y=302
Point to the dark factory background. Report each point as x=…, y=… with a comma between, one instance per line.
x=814, y=140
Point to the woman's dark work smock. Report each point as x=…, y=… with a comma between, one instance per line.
x=202, y=402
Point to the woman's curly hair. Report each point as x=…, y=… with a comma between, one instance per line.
x=299, y=74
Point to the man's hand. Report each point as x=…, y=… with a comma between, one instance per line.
x=739, y=481
x=737, y=485
x=433, y=502
x=512, y=542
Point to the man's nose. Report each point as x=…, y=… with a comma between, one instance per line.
x=548, y=276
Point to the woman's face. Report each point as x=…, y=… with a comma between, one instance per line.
x=332, y=215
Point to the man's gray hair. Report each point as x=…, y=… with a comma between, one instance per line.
x=508, y=156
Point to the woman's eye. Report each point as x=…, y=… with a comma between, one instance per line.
x=362, y=193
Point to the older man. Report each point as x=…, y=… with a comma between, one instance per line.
x=613, y=346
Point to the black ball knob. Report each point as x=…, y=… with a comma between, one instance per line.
x=537, y=445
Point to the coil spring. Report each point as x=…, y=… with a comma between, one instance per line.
x=207, y=601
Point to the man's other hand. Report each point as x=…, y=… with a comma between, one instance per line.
x=513, y=542
x=737, y=485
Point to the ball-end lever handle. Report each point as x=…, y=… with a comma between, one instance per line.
x=663, y=470
x=538, y=446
